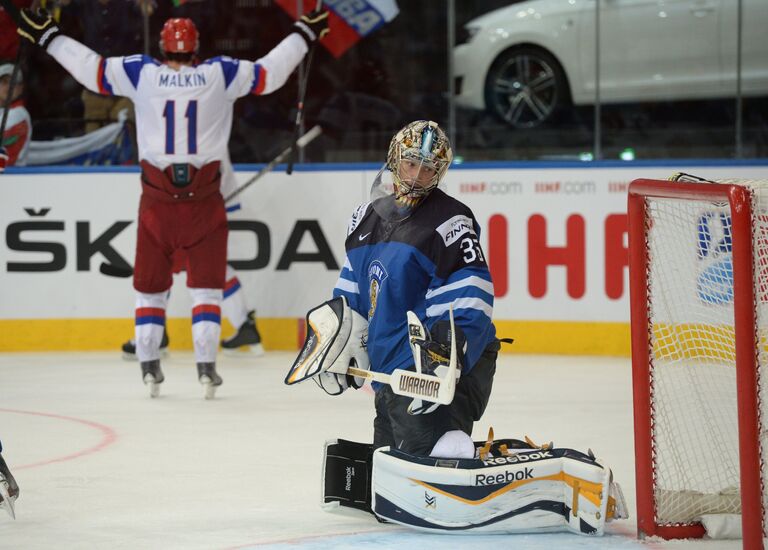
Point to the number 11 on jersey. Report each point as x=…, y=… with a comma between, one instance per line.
x=169, y=114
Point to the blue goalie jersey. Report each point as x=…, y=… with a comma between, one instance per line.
x=423, y=264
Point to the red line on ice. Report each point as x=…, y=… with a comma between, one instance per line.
x=108, y=437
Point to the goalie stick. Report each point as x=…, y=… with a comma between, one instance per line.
x=418, y=385
x=302, y=142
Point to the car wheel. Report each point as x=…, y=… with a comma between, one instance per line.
x=525, y=87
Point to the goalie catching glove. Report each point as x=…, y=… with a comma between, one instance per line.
x=336, y=339
x=38, y=27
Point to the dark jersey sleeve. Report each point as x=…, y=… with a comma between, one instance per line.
x=462, y=279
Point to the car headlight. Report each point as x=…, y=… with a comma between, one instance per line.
x=466, y=34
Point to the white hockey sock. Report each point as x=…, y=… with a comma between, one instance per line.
x=150, y=323
x=234, y=306
x=206, y=323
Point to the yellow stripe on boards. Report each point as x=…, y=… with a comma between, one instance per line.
x=565, y=337
x=544, y=337
x=110, y=334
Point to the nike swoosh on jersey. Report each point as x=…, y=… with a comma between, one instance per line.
x=361, y=237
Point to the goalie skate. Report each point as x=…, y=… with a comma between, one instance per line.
x=209, y=378
x=152, y=376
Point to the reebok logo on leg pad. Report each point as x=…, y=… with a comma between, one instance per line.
x=505, y=477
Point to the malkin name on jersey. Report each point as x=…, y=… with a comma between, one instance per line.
x=179, y=80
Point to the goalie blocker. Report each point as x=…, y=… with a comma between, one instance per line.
x=335, y=355
x=515, y=488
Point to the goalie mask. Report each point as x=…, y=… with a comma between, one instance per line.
x=419, y=156
x=179, y=35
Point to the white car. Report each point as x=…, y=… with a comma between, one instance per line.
x=524, y=62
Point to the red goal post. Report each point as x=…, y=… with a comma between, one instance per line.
x=699, y=306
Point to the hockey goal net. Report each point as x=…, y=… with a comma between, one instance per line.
x=699, y=301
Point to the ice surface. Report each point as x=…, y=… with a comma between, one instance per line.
x=101, y=465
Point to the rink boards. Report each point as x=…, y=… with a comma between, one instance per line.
x=555, y=236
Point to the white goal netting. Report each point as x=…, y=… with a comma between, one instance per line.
x=694, y=413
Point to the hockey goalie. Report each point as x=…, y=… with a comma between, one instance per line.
x=411, y=313
x=495, y=486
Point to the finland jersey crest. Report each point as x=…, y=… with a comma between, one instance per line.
x=376, y=276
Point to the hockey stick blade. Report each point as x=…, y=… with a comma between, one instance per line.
x=300, y=143
x=408, y=383
x=114, y=270
x=418, y=385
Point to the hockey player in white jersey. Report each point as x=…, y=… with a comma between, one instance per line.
x=183, y=121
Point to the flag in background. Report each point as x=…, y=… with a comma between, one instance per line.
x=348, y=20
x=110, y=145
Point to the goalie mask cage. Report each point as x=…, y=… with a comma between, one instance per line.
x=699, y=303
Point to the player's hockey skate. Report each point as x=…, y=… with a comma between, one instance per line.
x=209, y=378
x=9, y=489
x=247, y=341
x=152, y=376
x=129, y=348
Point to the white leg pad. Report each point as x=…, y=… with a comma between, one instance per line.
x=527, y=491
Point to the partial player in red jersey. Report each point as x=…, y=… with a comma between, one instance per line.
x=9, y=41
x=18, y=126
x=183, y=122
